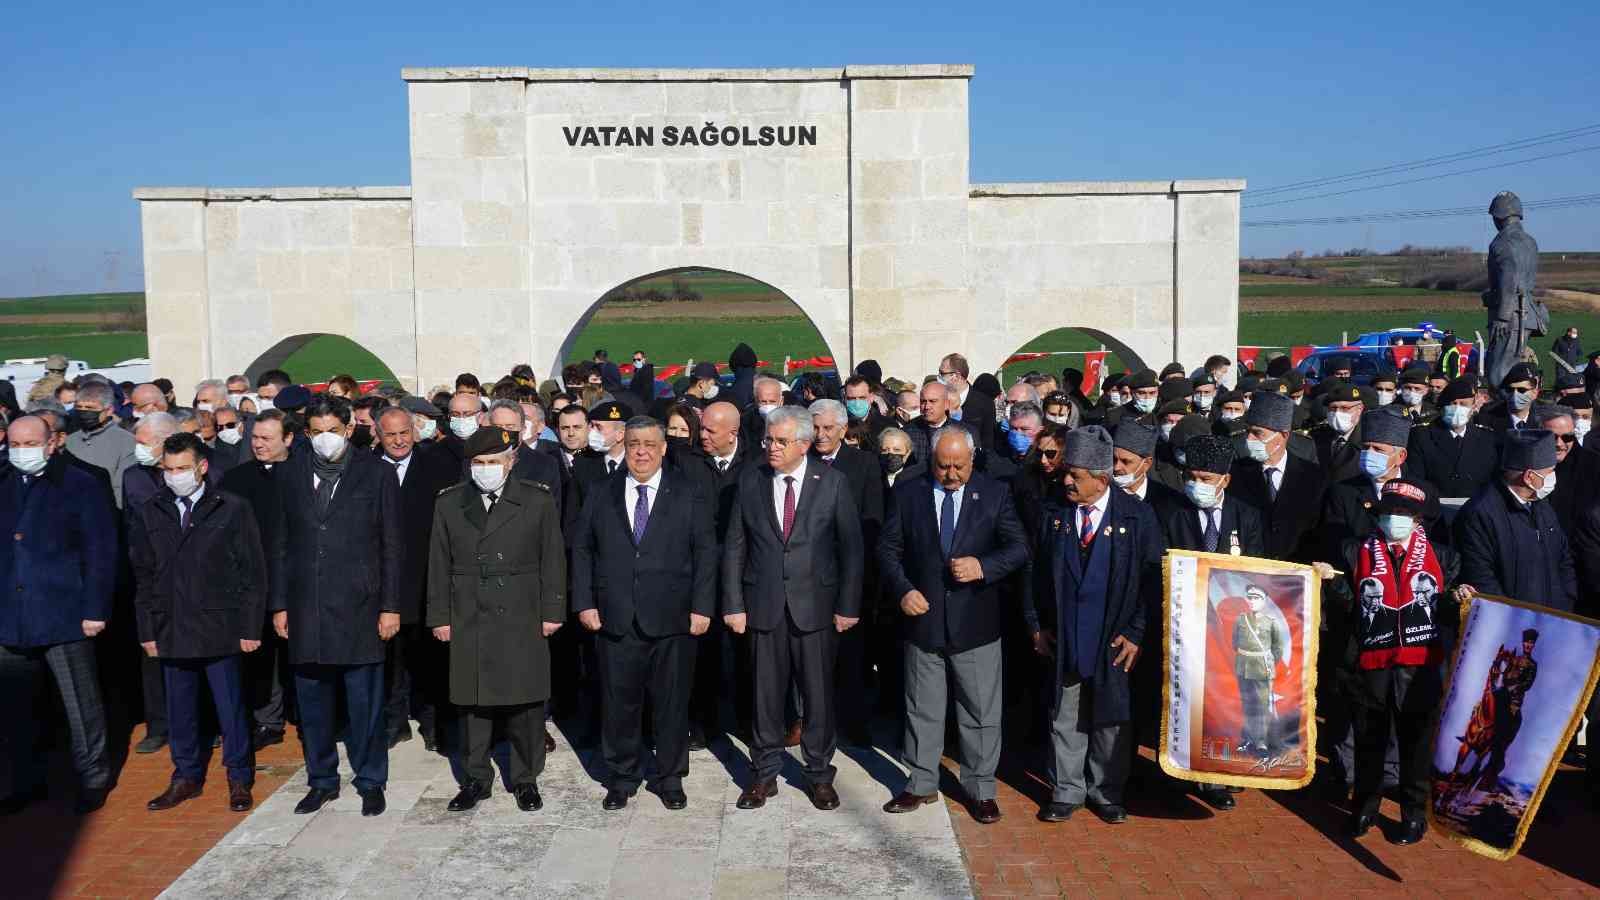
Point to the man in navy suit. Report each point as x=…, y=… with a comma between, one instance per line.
x=644, y=566
x=951, y=539
x=1096, y=574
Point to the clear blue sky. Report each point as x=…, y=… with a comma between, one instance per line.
x=102, y=97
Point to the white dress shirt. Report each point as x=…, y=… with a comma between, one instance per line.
x=401, y=465
x=1097, y=514
x=630, y=494
x=779, y=486
x=723, y=463
x=960, y=494
x=194, y=500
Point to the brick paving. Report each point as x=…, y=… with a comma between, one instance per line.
x=1278, y=843
x=124, y=850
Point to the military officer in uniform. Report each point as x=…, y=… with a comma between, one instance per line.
x=1514, y=313
x=497, y=581
x=55, y=373
x=1413, y=401
x=1257, y=647
x=1454, y=453
x=1338, y=437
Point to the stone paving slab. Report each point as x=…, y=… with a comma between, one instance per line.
x=573, y=848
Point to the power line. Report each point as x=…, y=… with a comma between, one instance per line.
x=1398, y=215
x=1390, y=184
x=1490, y=150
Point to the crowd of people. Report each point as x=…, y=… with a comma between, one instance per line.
x=976, y=565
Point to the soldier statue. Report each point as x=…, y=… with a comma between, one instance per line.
x=1514, y=313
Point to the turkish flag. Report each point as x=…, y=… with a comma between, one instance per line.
x=1094, y=363
x=1297, y=355
x=1403, y=355
x=1247, y=357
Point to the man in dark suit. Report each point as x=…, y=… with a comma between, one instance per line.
x=229, y=448
x=335, y=569
x=1339, y=436
x=1509, y=539
x=644, y=578
x=952, y=538
x=1133, y=463
x=722, y=662
x=976, y=407
x=1286, y=489
x=607, y=423
x=1095, y=576
x=936, y=404
x=830, y=419
x=502, y=534
x=59, y=569
x=1453, y=453
x=1577, y=467
x=201, y=576
x=791, y=575
x=266, y=670
x=1210, y=519
x=415, y=663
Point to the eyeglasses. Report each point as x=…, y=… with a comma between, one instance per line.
x=780, y=443
x=1567, y=438
x=1049, y=454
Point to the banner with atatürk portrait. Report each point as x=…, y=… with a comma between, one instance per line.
x=1521, y=679
x=1238, y=693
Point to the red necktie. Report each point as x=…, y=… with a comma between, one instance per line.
x=788, y=506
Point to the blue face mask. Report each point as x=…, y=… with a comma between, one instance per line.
x=1374, y=463
x=955, y=414
x=858, y=409
x=1019, y=441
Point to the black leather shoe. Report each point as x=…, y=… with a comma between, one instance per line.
x=615, y=799
x=1360, y=824
x=1411, y=830
x=372, y=802
x=756, y=795
x=1216, y=797
x=314, y=800
x=21, y=800
x=1057, y=812
x=89, y=800
x=178, y=790
x=528, y=799
x=823, y=796
x=1109, y=813
x=674, y=799
x=468, y=796
x=697, y=738
x=266, y=737
x=428, y=743
x=151, y=743
x=986, y=812
x=549, y=740
x=905, y=802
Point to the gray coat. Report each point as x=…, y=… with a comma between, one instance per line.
x=1513, y=265
x=110, y=447
x=495, y=578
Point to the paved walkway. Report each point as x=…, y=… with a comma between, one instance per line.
x=573, y=848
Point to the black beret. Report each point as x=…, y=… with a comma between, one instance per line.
x=1519, y=372
x=1568, y=380
x=1171, y=369
x=1136, y=437
x=1293, y=380
x=292, y=398
x=703, y=370
x=1189, y=426
x=488, y=440
x=1415, y=375
x=1229, y=397
x=1579, y=401
x=1530, y=448
x=1386, y=375
x=1208, y=453
x=1461, y=389
x=1175, y=389
x=1337, y=390
x=1179, y=406
x=1248, y=384
x=870, y=370
x=1144, y=378
x=1279, y=365
x=1115, y=379
x=418, y=406
x=1335, y=363
x=1271, y=410
x=610, y=411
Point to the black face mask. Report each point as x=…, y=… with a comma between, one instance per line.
x=86, y=419
x=678, y=444
x=361, y=436
x=892, y=462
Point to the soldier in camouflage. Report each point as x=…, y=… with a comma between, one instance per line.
x=55, y=374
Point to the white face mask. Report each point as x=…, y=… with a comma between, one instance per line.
x=1413, y=397
x=1228, y=416
x=1125, y=481
x=328, y=444
x=263, y=404
x=182, y=483
x=597, y=441
x=711, y=391
x=489, y=477
x=1456, y=416
x=1385, y=398
x=1258, y=450
x=233, y=400
x=1581, y=427
x=765, y=409
x=463, y=426
x=27, y=460
x=1341, y=422
x=1114, y=400
x=1396, y=529
x=1546, y=489
x=230, y=436
x=1144, y=404
x=1203, y=495
x=206, y=407
x=427, y=430
x=527, y=431
x=1056, y=420
x=1166, y=430
x=144, y=455
x=1203, y=401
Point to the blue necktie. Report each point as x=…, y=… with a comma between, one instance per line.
x=641, y=514
x=183, y=520
x=947, y=523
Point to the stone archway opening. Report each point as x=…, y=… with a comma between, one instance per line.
x=315, y=357
x=685, y=315
x=1086, y=349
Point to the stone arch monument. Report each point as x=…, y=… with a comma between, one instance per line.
x=534, y=191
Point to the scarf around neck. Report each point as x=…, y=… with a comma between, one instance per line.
x=1403, y=628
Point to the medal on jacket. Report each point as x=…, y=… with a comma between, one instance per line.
x=1233, y=544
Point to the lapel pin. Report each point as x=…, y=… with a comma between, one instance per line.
x=974, y=495
x=1055, y=524
x=1122, y=529
x=1107, y=532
